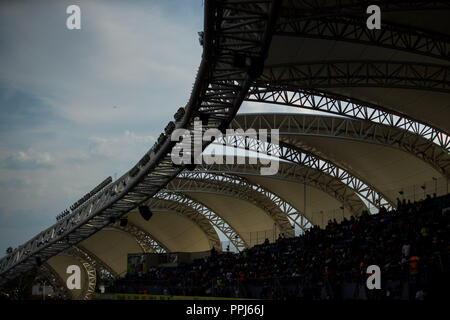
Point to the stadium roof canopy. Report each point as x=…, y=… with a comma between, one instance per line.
x=325, y=46
x=386, y=95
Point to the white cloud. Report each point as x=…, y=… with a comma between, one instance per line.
x=127, y=147
x=33, y=156
x=130, y=67
x=28, y=159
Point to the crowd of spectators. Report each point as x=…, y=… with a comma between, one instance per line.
x=409, y=244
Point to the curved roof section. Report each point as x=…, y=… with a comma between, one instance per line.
x=326, y=46
x=287, y=218
x=262, y=210
x=176, y=231
x=323, y=46
x=316, y=200
x=242, y=215
x=324, y=191
x=387, y=158
x=213, y=217
x=59, y=266
x=156, y=169
x=411, y=13
x=389, y=170
x=112, y=247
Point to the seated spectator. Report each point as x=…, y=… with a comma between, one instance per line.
x=410, y=245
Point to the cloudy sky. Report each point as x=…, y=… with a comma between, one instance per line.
x=77, y=106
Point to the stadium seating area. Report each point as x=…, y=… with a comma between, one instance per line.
x=410, y=245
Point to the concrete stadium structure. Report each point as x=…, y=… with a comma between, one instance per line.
x=382, y=133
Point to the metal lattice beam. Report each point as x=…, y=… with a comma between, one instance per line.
x=348, y=107
x=305, y=159
x=292, y=126
x=55, y=280
x=202, y=180
x=355, y=73
x=85, y=260
x=214, y=218
x=297, y=174
x=354, y=29
x=168, y=205
x=147, y=242
x=156, y=169
x=100, y=266
x=321, y=7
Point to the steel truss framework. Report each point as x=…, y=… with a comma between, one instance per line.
x=147, y=242
x=235, y=43
x=170, y=206
x=348, y=129
x=202, y=180
x=87, y=262
x=321, y=7
x=222, y=50
x=101, y=267
x=348, y=107
x=321, y=166
x=356, y=73
x=215, y=219
x=55, y=281
x=235, y=191
x=354, y=29
x=295, y=173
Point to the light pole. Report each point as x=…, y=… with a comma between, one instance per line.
x=304, y=196
x=424, y=188
x=435, y=186
x=321, y=213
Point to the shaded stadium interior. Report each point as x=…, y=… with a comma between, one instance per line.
x=369, y=124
